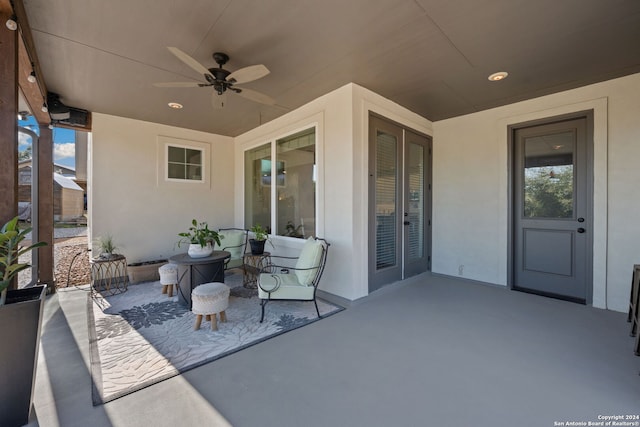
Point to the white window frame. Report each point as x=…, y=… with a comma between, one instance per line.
x=272, y=141
x=164, y=142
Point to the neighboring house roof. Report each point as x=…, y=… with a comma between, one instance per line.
x=65, y=182
x=66, y=171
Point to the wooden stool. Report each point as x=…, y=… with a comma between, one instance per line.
x=168, y=278
x=208, y=300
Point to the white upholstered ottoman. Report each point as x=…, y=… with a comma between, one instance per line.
x=168, y=278
x=209, y=299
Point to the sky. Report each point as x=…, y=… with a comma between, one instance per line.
x=64, y=142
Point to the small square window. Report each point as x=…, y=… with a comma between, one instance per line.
x=184, y=163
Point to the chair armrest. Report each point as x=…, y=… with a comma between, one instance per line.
x=273, y=268
x=231, y=247
x=282, y=257
x=270, y=290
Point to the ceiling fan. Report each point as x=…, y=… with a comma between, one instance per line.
x=222, y=80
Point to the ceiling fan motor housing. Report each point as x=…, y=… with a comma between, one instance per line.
x=220, y=58
x=218, y=79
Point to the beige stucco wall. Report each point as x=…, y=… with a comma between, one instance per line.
x=341, y=118
x=470, y=178
x=143, y=214
x=470, y=196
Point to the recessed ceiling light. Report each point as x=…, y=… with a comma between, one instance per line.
x=496, y=77
x=175, y=105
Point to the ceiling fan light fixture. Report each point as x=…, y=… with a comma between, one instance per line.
x=496, y=77
x=12, y=23
x=175, y=105
x=44, y=108
x=32, y=77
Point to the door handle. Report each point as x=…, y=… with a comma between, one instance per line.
x=581, y=230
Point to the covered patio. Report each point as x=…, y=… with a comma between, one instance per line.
x=431, y=350
x=452, y=345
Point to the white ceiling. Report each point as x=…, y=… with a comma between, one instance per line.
x=430, y=56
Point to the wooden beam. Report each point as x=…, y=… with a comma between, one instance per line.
x=19, y=60
x=45, y=208
x=5, y=8
x=8, y=118
x=32, y=92
x=8, y=122
x=35, y=94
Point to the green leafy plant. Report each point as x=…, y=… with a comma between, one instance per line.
x=106, y=246
x=10, y=251
x=260, y=233
x=200, y=234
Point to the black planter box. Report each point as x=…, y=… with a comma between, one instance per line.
x=20, y=320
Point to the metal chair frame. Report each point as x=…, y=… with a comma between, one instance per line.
x=275, y=268
x=242, y=245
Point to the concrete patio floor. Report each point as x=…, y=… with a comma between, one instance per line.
x=429, y=351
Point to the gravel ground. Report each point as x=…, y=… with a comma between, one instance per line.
x=65, y=250
x=69, y=243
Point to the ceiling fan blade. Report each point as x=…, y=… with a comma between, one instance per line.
x=256, y=96
x=248, y=74
x=218, y=101
x=201, y=69
x=178, y=84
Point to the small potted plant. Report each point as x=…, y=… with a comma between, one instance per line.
x=260, y=237
x=106, y=247
x=21, y=320
x=200, y=238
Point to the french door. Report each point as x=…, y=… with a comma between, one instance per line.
x=399, y=203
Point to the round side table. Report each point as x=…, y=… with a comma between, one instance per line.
x=109, y=275
x=251, y=267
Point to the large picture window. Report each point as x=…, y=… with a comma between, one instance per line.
x=289, y=179
x=257, y=195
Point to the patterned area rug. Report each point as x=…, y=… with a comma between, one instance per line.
x=141, y=337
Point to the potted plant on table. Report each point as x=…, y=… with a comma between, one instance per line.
x=200, y=238
x=106, y=247
x=260, y=237
x=21, y=319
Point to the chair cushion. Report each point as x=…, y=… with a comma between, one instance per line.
x=233, y=242
x=309, y=257
x=290, y=287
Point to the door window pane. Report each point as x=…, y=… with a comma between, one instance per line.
x=415, y=174
x=296, y=184
x=257, y=194
x=549, y=176
x=386, y=184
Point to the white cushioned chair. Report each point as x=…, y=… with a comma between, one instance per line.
x=300, y=282
x=234, y=242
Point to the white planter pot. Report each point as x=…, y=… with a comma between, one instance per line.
x=197, y=251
